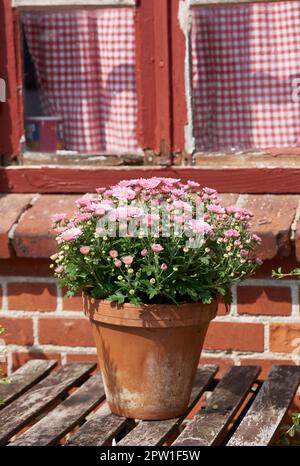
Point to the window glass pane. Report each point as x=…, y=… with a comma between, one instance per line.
x=80, y=67
x=245, y=66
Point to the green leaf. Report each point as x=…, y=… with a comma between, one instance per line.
x=118, y=297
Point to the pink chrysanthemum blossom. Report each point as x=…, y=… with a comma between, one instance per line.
x=71, y=234
x=117, y=263
x=232, y=233
x=85, y=250
x=157, y=247
x=209, y=191
x=216, y=209
x=144, y=252
x=164, y=266
x=199, y=226
x=113, y=253
x=123, y=193
x=244, y=253
x=56, y=218
x=127, y=260
x=59, y=269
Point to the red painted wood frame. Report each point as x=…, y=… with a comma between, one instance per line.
x=160, y=76
x=81, y=180
x=11, y=111
x=162, y=115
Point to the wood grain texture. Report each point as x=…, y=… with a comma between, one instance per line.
x=210, y=424
x=51, y=428
x=99, y=430
x=153, y=433
x=28, y=406
x=259, y=425
x=81, y=180
x=24, y=378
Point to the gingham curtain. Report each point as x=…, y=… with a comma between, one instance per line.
x=85, y=65
x=244, y=60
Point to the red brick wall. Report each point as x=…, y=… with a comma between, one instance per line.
x=261, y=328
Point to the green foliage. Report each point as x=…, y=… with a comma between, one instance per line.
x=3, y=380
x=292, y=435
x=178, y=272
x=279, y=274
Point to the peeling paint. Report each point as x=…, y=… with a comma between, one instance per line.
x=185, y=22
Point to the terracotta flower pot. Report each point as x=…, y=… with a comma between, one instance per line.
x=149, y=354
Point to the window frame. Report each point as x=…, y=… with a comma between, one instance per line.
x=28, y=157
x=70, y=3
x=200, y=157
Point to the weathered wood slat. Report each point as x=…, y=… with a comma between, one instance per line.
x=51, y=428
x=208, y=427
x=24, y=378
x=269, y=407
x=25, y=408
x=153, y=433
x=99, y=429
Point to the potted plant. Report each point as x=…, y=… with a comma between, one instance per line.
x=152, y=258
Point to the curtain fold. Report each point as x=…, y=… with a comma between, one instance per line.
x=85, y=67
x=244, y=62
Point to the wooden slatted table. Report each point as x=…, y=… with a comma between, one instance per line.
x=44, y=405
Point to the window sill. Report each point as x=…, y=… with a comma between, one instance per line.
x=75, y=160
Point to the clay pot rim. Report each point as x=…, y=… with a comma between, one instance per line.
x=149, y=315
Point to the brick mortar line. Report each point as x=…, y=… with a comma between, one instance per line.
x=89, y=350
x=38, y=314
x=4, y=297
x=35, y=327
x=269, y=282
x=244, y=319
x=295, y=301
x=266, y=337
x=5, y=279
x=295, y=223
x=249, y=282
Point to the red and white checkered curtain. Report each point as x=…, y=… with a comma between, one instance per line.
x=85, y=65
x=244, y=61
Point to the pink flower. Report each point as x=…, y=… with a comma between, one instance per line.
x=85, y=201
x=239, y=212
x=244, y=253
x=193, y=184
x=157, y=248
x=256, y=238
x=164, y=266
x=216, y=209
x=199, y=226
x=82, y=217
x=58, y=218
x=117, y=263
x=144, y=252
x=150, y=183
x=70, y=234
x=123, y=193
x=100, y=190
x=127, y=260
x=59, y=269
x=232, y=234
x=113, y=253
x=209, y=191
x=258, y=261
x=85, y=250
x=99, y=231
x=237, y=242
x=124, y=212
